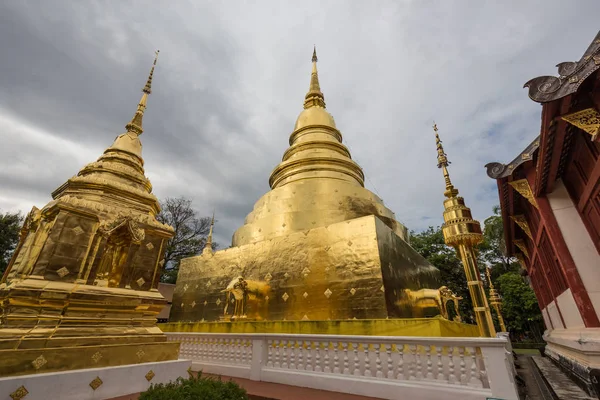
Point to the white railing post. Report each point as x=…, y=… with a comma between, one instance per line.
x=499, y=372
x=260, y=351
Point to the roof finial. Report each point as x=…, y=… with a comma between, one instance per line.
x=314, y=97
x=208, y=244
x=443, y=164
x=489, y=278
x=135, y=125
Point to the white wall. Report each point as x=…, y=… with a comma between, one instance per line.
x=580, y=245
x=569, y=311
x=547, y=322
x=554, y=315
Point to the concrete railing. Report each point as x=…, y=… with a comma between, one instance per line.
x=377, y=366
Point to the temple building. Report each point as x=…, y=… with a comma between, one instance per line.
x=550, y=200
x=318, y=246
x=81, y=288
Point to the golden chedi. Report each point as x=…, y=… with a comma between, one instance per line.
x=81, y=288
x=317, y=246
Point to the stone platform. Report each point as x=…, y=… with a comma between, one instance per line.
x=561, y=386
x=424, y=327
x=92, y=383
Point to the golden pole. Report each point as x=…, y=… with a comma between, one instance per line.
x=463, y=233
x=495, y=300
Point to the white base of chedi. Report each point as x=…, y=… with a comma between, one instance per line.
x=92, y=383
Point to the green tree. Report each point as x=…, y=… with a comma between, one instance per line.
x=493, y=249
x=430, y=244
x=519, y=305
x=10, y=225
x=190, y=234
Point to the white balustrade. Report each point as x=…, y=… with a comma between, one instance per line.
x=376, y=366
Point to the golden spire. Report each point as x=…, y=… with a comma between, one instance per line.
x=135, y=125
x=495, y=300
x=208, y=244
x=489, y=278
x=314, y=97
x=443, y=164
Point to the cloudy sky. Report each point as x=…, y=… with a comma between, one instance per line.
x=231, y=79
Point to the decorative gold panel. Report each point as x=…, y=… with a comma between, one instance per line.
x=587, y=120
x=73, y=353
x=150, y=375
x=39, y=362
x=521, y=259
x=20, y=393
x=63, y=272
x=522, y=222
x=96, y=383
x=521, y=245
x=97, y=356
x=522, y=186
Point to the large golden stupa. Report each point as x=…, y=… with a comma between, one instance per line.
x=318, y=246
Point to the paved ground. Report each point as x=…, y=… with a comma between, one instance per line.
x=562, y=386
x=274, y=391
x=534, y=389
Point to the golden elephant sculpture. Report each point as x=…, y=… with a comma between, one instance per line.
x=244, y=292
x=439, y=298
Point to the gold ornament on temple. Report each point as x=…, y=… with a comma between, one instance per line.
x=463, y=233
x=495, y=300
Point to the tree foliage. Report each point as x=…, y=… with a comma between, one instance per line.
x=10, y=225
x=493, y=249
x=519, y=304
x=190, y=234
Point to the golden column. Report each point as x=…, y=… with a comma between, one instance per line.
x=463, y=233
x=495, y=300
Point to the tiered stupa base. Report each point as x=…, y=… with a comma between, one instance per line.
x=356, y=269
x=59, y=326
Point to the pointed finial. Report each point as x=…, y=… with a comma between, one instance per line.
x=148, y=87
x=208, y=244
x=494, y=295
x=443, y=164
x=314, y=97
x=135, y=125
x=489, y=277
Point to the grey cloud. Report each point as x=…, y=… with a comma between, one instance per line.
x=230, y=82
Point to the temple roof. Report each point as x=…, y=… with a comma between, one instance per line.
x=496, y=170
x=544, y=89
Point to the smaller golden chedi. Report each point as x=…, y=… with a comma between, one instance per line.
x=81, y=288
